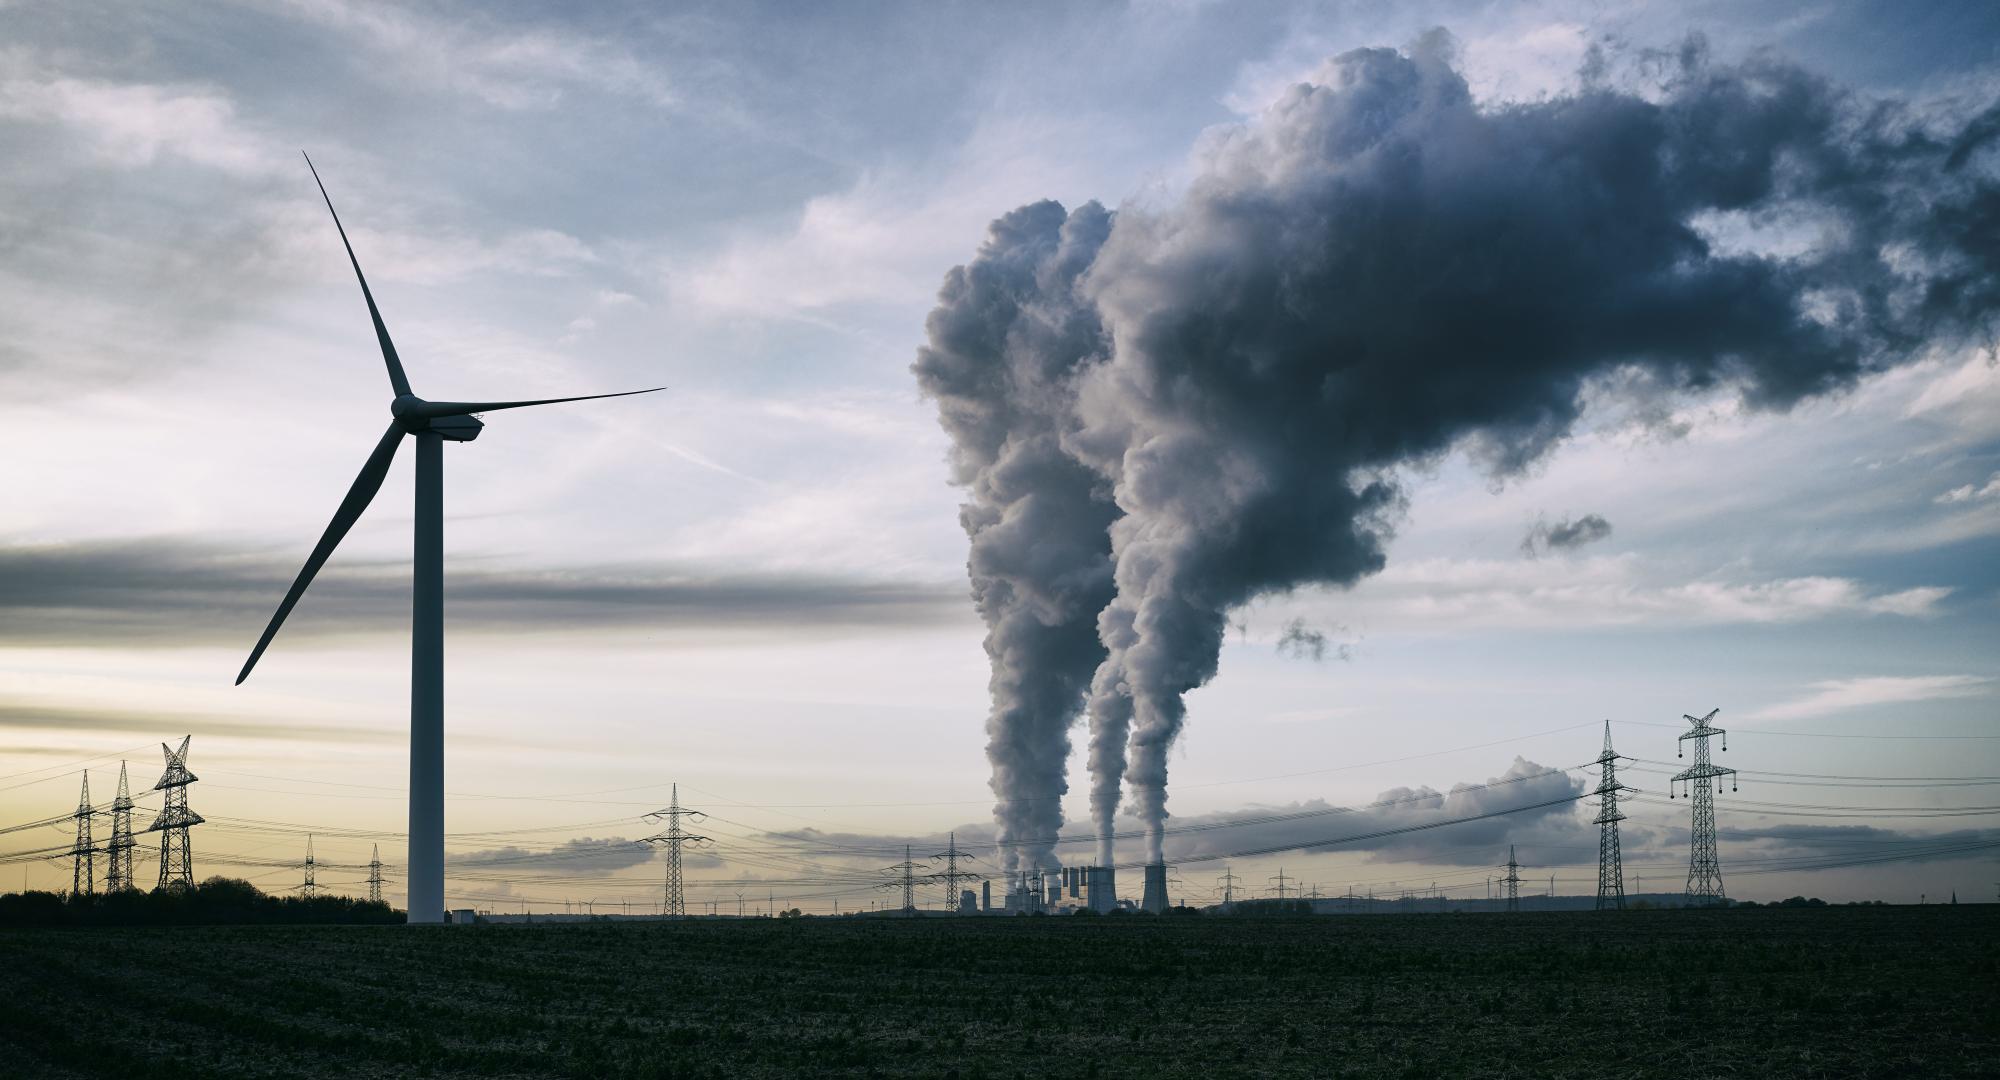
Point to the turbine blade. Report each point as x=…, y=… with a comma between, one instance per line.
x=358, y=496
x=396, y=377
x=431, y=410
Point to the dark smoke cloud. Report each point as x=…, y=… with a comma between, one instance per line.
x=1378, y=272
x=1303, y=641
x=1564, y=535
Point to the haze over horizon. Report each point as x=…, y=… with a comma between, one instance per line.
x=755, y=583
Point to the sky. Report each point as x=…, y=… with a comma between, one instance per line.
x=754, y=584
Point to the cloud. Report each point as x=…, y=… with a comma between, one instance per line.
x=1461, y=594
x=151, y=724
x=1970, y=493
x=1861, y=842
x=507, y=67
x=584, y=853
x=1309, y=824
x=171, y=593
x=1834, y=695
x=137, y=124
x=1564, y=535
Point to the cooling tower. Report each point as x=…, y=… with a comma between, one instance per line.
x=1101, y=885
x=1155, y=899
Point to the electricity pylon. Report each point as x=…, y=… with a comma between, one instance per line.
x=1281, y=879
x=908, y=883
x=118, y=863
x=309, y=886
x=176, y=859
x=1512, y=881
x=375, y=875
x=1228, y=883
x=1704, y=883
x=672, y=904
x=952, y=874
x=1610, y=864
x=83, y=877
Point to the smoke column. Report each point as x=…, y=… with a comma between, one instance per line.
x=1008, y=336
x=1377, y=272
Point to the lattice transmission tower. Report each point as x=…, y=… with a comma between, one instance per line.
x=310, y=886
x=1610, y=862
x=1512, y=881
x=1704, y=883
x=1283, y=881
x=83, y=876
x=118, y=861
x=375, y=875
x=175, y=819
x=672, y=903
x=908, y=883
x=952, y=874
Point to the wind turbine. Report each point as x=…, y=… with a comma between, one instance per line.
x=432, y=424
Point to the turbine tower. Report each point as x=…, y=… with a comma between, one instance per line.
x=118, y=865
x=673, y=905
x=1704, y=883
x=1610, y=864
x=432, y=424
x=175, y=819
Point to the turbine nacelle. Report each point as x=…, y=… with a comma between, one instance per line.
x=417, y=416
x=459, y=428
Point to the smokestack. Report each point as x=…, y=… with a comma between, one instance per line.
x=1155, y=900
x=986, y=896
x=1102, y=889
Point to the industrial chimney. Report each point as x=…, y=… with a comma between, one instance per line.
x=1155, y=899
x=986, y=896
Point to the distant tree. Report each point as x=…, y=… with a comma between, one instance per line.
x=216, y=901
